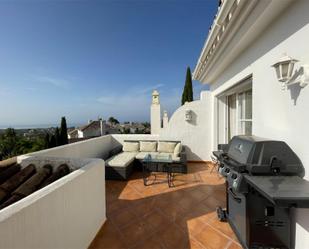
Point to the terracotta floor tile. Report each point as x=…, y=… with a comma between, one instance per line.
x=211, y=179
x=172, y=211
x=223, y=227
x=213, y=202
x=144, y=206
x=123, y=217
x=108, y=237
x=203, y=213
x=160, y=217
x=234, y=245
x=198, y=167
x=128, y=193
x=116, y=206
x=173, y=237
x=157, y=220
x=194, y=244
x=199, y=194
x=154, y=242
x=136, y=232
x=187, y=202
x=190, y=224
x=212, y=239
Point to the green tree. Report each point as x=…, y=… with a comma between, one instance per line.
x=52, y=141
x=112, y=120
x=46, y=141
x=12, y=144
x=187, y=95
x=8, y=142
x=58, y=139
x=63, y=132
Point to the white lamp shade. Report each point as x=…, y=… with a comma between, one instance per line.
x=284, y=68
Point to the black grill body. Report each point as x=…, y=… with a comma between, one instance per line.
x=263, y=182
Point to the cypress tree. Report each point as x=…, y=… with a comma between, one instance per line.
x=187, y=95
x=52, y=141
x=63, y=132
x=57, y=137
x=46, y=141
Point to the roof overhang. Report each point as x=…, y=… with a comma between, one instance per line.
x=237, y=24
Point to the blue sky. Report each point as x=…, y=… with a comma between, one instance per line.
x=84, y=59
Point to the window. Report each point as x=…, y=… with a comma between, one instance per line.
x=245, y=113
x=234, y=112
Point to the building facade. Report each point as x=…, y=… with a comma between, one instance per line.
x=246, y=96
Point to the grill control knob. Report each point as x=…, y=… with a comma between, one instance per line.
x=234, y=176
x=227, y=170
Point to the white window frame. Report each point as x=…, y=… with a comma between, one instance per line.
x=241, y=87
x=239, y=119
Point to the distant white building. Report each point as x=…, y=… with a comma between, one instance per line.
x=93, y=129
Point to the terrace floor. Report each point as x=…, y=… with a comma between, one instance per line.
x=168, y=218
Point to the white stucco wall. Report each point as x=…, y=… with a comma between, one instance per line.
x=92, y=133
x=155, y=118
x=194, y=134
x=66, y=214
x=93, y=148
x=277, y=114
x=119, y=138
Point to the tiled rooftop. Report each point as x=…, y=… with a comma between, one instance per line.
x=160, y=217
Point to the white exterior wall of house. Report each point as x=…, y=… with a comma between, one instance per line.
x=80, y=134
x=194, y=134
x=277, y=114
x=89, y=133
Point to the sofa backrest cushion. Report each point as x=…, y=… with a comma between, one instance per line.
x=148, y=146
x=130, y=146
x=167, y=147
x=178, y=149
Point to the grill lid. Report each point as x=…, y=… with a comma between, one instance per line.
x=264, y=156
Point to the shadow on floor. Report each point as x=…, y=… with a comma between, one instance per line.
x=157, y=216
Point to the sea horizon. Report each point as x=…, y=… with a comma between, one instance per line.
x=36, y=126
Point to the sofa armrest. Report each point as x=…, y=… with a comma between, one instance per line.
x=183, y=157
x=115, y=151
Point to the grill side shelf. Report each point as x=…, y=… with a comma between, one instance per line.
x=283, y=191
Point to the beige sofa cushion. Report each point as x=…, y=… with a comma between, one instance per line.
x=130, y=146
x=148, y=146
x=141, y=155
x=167, y=147
x=121, y=160
x=178, y=149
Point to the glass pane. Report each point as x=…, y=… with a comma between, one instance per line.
x=248, y=99
x=245, y=105
x=284, y=69
x=245, y=128
x=248, y=128
x=241, y=106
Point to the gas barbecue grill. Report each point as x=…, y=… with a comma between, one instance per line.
x=263, y=182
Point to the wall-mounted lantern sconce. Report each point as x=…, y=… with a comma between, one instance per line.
x=188, y=115
x=285, y=72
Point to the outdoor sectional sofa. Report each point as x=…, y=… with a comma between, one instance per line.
x=129, y=156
